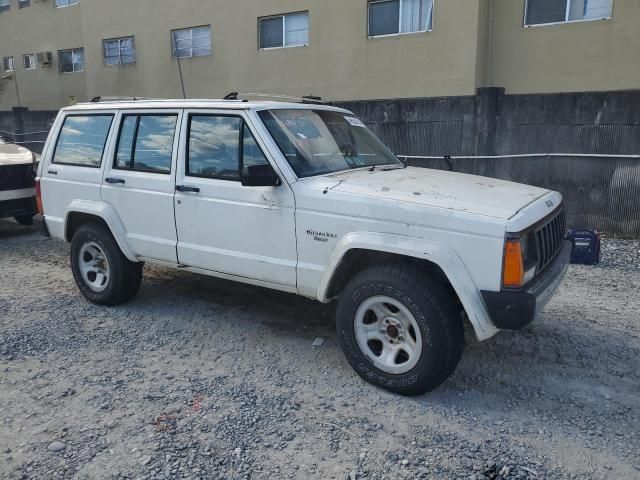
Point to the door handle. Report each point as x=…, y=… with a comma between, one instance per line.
x=52, y=172
x=114, y=180
x=184, y=188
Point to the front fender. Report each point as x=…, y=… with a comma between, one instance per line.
x=107, y=213
x=442, y=255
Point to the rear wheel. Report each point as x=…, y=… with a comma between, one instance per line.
x=400, y=328
x=103, y=274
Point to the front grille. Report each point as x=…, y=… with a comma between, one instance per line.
x=16, y=177
x=548, y=239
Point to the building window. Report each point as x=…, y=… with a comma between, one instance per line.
x=541, y=12
x=5, y=5
x=191, y=42
x=29, y=61
x=290, y=30
x=66, y=3
x=391, y=17
x=7, y=64
x=24, y=3
x=71, y=60
x=119, y=51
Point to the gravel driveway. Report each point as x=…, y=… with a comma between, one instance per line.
x=203, y=378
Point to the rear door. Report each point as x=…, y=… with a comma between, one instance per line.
x=73, y=163
x=139, y=180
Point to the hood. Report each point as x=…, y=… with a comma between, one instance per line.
x=11, y=154
x=440, y=189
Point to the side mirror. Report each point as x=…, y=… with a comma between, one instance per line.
x=259, y=176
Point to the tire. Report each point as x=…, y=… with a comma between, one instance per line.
x=400, y=328
x=103, y=274
x=24, y=220
x=135, y=280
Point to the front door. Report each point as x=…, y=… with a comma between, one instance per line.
x=139, y=180
x=223, y=226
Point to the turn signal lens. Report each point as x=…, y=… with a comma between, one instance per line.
x=513, y=269
x=39, y=198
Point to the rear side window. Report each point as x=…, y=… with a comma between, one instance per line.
x=145, y=143
x=82, y=139
x=217, y=144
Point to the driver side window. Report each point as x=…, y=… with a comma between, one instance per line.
x=218, y=145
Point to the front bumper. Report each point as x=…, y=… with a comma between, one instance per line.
x=514, y=309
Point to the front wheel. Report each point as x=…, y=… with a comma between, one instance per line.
x=400, y=328
x=101, y=271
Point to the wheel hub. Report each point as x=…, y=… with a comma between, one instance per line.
x=393, y=330
x=388, y=334
x=94, y=266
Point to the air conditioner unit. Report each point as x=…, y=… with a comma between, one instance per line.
x=45, y=59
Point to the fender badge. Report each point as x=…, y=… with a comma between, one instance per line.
x=321, y=236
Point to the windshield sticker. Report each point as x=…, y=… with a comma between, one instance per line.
x=355, y=122
x=302, y=128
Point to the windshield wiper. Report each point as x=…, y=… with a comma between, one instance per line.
x=394, y=167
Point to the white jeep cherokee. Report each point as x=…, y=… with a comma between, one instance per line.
x=302, y=198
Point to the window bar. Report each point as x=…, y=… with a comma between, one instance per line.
x=284, y=31
x=134, y=143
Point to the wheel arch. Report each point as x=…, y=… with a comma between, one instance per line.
x=81, y=212
x=357, y=251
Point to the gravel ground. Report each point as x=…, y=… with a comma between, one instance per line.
x=203, y=378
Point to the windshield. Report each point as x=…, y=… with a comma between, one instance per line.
x=317, y=142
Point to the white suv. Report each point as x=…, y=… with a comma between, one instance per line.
x=302, y=198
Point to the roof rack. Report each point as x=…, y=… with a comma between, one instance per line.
x=230, y=97
x=99, y=99
x=304, y=99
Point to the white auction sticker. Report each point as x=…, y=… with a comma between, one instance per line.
x=356, y=122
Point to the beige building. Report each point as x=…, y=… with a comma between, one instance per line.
x=58, y=51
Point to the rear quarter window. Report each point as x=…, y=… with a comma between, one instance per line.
x=82, y=140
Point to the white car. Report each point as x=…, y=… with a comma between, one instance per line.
x=17, y=176
x=302, y=198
